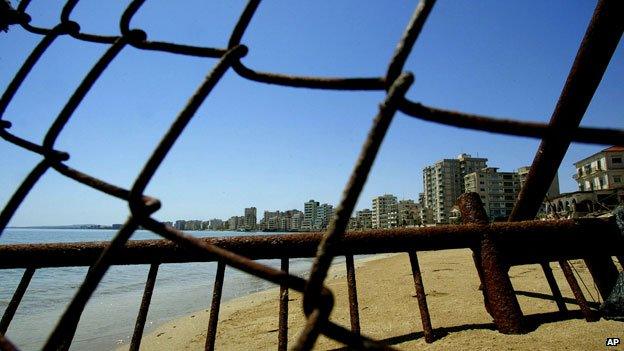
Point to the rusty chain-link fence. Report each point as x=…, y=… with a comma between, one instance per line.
x=495, y=245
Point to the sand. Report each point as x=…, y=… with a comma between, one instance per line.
x=389, y=311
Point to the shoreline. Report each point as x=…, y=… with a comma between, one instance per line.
x=389, y=311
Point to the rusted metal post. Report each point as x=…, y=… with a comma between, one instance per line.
x=589, y=315
x=498, y=290
x=354, y=312
x=15, y=301
x=421, y=297
x=554, y=288
x=476, y=258
x=145, y=303
x=6, y=345
x=213, y=320
x=282, y=336
x=604, y=272
x=470, y=216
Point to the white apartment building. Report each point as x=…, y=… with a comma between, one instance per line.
x=601, y=171
x=443, y=183
x=498, y=190
x=382, y=207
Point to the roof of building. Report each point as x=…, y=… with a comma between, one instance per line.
x=614, y=148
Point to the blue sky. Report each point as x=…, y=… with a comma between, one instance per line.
x=275, y=147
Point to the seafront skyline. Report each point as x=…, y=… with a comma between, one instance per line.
x=599, y=177
x=274, y=146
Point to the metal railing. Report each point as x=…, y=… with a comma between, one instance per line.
x=487, y=241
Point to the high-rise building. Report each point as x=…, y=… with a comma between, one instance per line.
x=250, y=218
x=443, y=183
x=383, y=206
x=601, y=171
x=498, y=190
x=324, y=213
x=309, y=215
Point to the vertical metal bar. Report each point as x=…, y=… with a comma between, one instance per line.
x=15, y=301
x=354, y=311
x=282, y=336
x=604, y=272
x=500, y=296
x=214, y=307
x=554, y=287
x=589, y=315
x=422, y=298
x=476, y=258
x=145, y=303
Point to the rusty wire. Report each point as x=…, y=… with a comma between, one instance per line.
x=598, y=46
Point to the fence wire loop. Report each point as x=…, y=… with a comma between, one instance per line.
x=318, y=300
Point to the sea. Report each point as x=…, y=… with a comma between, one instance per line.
x=109, y=317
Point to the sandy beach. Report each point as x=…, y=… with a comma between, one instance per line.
x=389, y=311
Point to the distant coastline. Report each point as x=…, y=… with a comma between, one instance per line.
x=70, y=226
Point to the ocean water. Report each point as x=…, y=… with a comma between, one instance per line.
x=109, y=317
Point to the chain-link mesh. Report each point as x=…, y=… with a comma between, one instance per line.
x=594, y=54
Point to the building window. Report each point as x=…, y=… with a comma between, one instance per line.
x=617, y=179
x=617, y=160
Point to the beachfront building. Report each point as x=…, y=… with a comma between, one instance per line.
x=180, y=224
x=250, y=218
x=324, y=213
x=292, y=220
x=271, y=220
x=498, y=190
x=601, y=171
x=408, y=213
x=296, y=220
x=236, y=223
x=383, y=206
x=443, y=183
x=364, y=219
x=309, y=215
x=216, y=224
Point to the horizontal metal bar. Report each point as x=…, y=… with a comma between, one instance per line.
x=519, y=242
